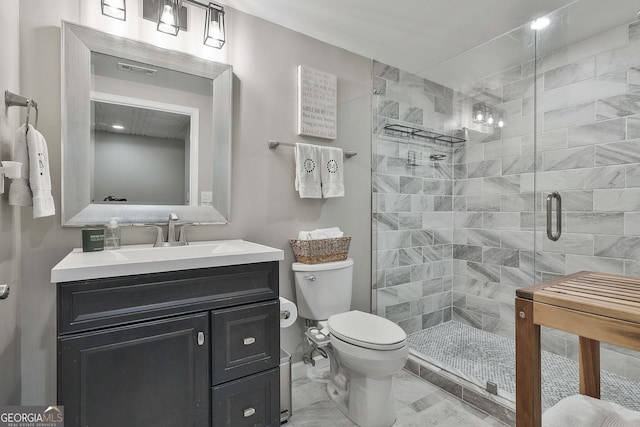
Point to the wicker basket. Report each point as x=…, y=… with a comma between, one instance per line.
x=321, y=250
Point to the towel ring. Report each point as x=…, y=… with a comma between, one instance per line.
x=29, y=104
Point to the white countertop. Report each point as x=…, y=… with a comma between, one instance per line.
x=141, y=259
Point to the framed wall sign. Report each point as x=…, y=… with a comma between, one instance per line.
x=317, y=103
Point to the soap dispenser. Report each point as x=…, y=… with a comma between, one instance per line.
x=112, y=235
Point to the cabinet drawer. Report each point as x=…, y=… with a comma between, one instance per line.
x=99, y=303
x=251, y=401
x=246, y=340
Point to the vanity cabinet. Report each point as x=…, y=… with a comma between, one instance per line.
x=182, y=348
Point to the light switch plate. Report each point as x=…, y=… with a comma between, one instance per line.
x=206, y=196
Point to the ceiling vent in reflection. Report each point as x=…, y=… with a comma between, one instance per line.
x=137, y=69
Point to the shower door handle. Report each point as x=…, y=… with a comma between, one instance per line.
x=550, y=234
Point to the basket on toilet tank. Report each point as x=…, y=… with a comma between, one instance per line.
x=321, y=250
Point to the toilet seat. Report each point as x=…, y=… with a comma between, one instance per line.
x=367, y=330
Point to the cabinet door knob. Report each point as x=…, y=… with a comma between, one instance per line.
x=200, y=338
x=248, y=340
x=248, y=412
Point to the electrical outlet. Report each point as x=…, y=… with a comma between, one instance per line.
x=206, y=196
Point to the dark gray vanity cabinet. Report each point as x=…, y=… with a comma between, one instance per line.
x=183, y=348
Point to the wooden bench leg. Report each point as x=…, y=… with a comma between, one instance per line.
x=528, y=367
x=589, y=367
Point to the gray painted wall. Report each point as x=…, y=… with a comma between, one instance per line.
x=10, y=385
x=265, y=208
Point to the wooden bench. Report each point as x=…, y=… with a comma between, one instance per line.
x=595, y=306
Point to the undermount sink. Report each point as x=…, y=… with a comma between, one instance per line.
x=141, y=259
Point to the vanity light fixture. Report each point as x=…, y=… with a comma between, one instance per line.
x=171, y=17
x=114, y=8
x=540, y=23
x=486, y=115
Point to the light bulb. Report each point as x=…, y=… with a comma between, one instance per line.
x=479, y=116
x=490, y=119
x=540, y=23
x=500, y=123
x=118, y=127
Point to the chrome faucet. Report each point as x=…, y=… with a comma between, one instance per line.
x=171, y=229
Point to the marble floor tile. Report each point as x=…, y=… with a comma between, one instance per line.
x=418, y=403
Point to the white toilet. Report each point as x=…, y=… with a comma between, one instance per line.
x=365, y=350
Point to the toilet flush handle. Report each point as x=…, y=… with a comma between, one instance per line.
x=310, y=277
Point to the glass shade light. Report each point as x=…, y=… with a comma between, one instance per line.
x=115, y=9
x=479, y=113
x=214, y=26
x=169, y=17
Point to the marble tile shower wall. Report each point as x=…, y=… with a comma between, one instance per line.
x=412, y=201
x=588, y=149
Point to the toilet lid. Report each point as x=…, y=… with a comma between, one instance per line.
x=367, y=330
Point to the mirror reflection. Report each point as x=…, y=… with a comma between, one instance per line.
x=151, y=129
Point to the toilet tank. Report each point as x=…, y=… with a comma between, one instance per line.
x=323, y=290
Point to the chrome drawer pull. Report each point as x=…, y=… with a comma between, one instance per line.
x=248, y=412
x=249, y=340
x=200, y=338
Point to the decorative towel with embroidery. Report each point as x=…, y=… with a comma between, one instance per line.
x=332, y=175
x=34, y=185
x=307, y=181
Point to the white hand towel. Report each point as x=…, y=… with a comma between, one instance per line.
x=332, y=174
x=308, y=181
x=34, y=185
x=39, y=175
x=19, y=191
x=321, y=233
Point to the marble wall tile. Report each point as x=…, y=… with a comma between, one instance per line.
x=433, y=253
x=397, y=276
x=420, y=203
x=632, y=223
x=385, y=221
x=410, y=256
x=431, y=303
x=467, y=220
x=572, y=158
x=502, y=184
x=467, y=318
x=517, y=164
x=467, y=285
x=516, y=90
x=577, y=200
x=386, y=184
x=459, y=203
x=578, y=244
x=379, y=86
x=437, y=220
x=632, y=174
x=483, y=306
x=443, y=236
x=468, y=187
x=433, y=286
x=626, y=247
x=397, y=166
x=411, y=325
x=460, y=171
x=518, y=240
x=600, y=132
x=470, y=153
x=398, y=312
x=502, y=148
x=616, y=200
x=467, y=252
x=421, y=237
x=430, y=320
x=605, y=177
x=393, y=239
x=518, y=127
x=571, y=116
x=443, y=106
x=443, y=203
x=516, y=276
x=501, y=220
x=436, y=89
x=393, y=203
x=617, y=59
x=484, y=168
x=411, y=114
x=480, y=237
x=547, y=262
x=387, y=147
x=545, y=141
x=388, y=108
x=500, y=256
x=486, y=203
x=522, y=202
x=561, y=180
x=442, y=170
x=617, y=153
x=436, y=187
x=634, y=31
x=580, y=70
x=488, y=273
x=633, y=124
x=618, y=106
x=410, y=185
x=602, y=86
x=595, y=222
x=575, y=263
x=631, y=268
x=502, y=78
x=409, y=221
x=385, y=71
x=499, y=292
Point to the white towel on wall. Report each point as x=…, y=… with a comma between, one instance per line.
x=332, y=174
x=308, y=180
x=34, y=185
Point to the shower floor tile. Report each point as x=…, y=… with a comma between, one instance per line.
x=479, y=356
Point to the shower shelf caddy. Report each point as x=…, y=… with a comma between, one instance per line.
x=411, y=132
